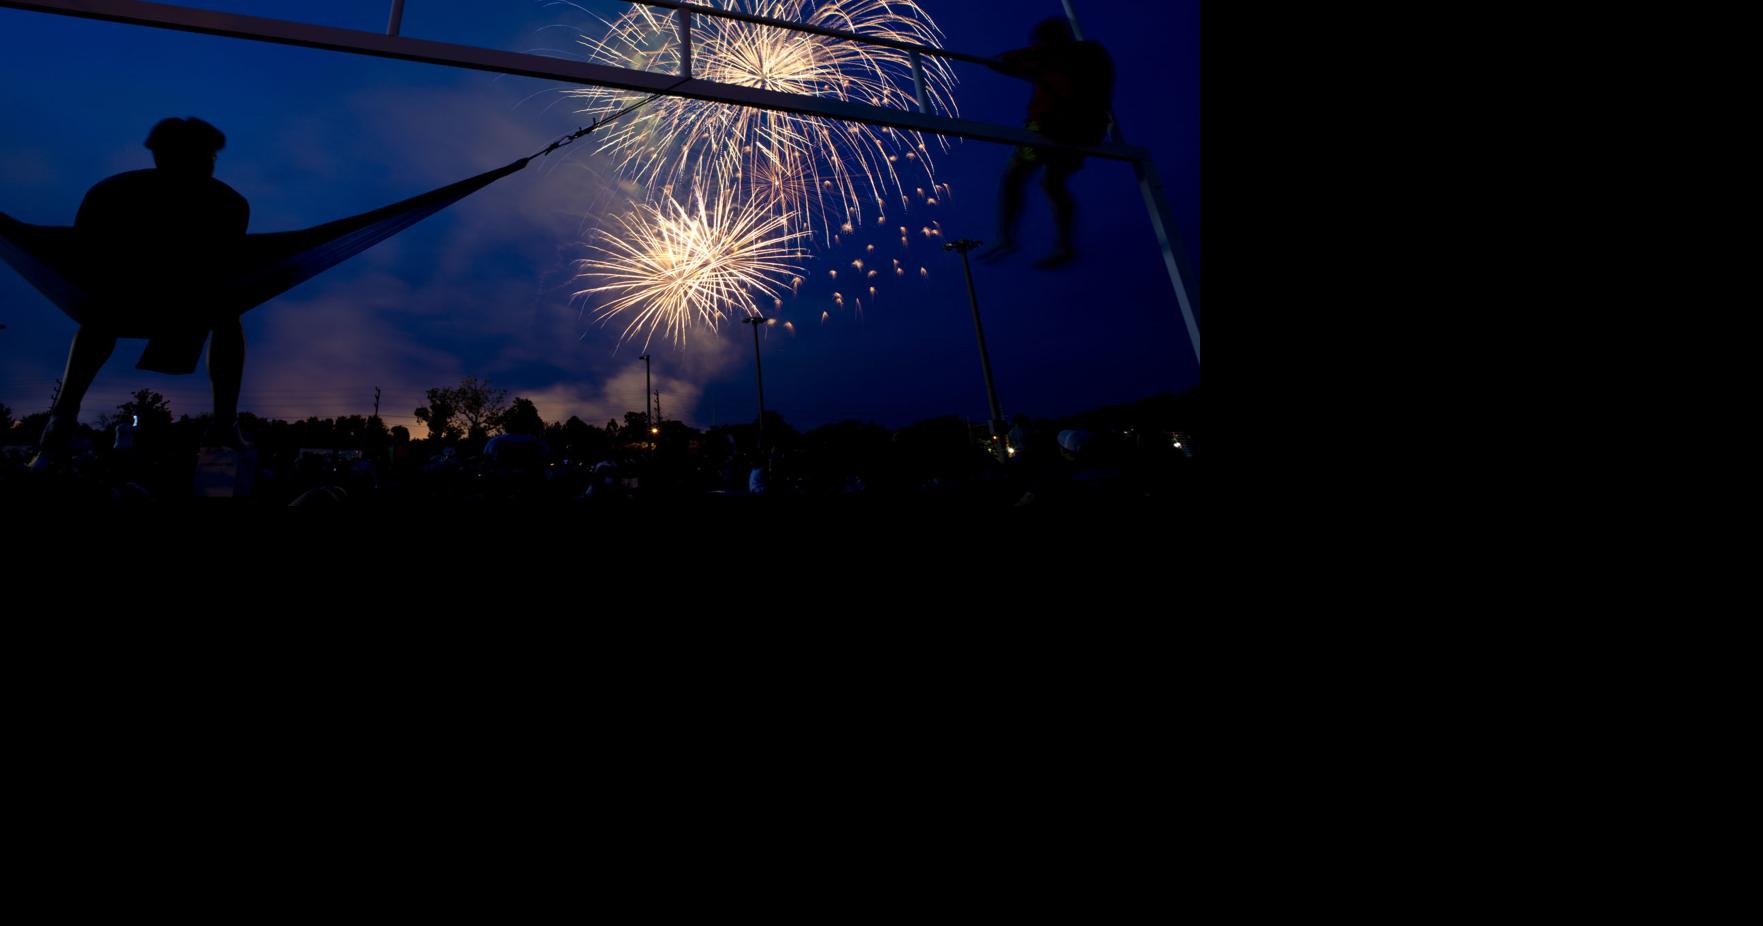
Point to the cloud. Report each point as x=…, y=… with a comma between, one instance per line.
x=610, y=388
x=324, y=357
x=481, y=289
x=487, y=289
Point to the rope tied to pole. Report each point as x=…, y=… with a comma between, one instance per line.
x=587, y=130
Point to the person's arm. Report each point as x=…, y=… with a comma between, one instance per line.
x=1025, y=63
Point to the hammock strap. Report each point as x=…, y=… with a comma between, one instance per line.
x=585, y=130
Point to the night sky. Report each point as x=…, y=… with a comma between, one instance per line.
x=483, y=289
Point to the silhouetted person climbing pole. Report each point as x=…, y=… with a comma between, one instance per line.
x=1073, y=94
x=157, y=239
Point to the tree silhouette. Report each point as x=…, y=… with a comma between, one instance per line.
x=153, y=409
x=635, y=430
x=440, y=416
x=577, y=439
x=480, y=407
x=523, y=418
x=471, y=409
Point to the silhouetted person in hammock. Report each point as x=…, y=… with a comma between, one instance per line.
x=162, y=254
x=156, y=240
x=1073, y=93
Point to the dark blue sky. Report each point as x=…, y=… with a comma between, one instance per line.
x=483, y=289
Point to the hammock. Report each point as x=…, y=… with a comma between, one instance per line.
x=51, y=259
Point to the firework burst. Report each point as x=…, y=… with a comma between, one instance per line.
x=668, y=266
x=800, y=167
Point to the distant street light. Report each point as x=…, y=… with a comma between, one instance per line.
x=985, y=360
x=759, y=375
x=648, y=419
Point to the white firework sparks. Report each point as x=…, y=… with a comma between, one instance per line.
x=669, y=266
x=800, y=167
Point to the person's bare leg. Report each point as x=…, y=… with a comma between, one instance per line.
x=1010, y=197
x=1064, y=215
x=85, y=357
x=226, y=371
x=91, y=348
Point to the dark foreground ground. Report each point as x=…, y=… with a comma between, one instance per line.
x=235, y=480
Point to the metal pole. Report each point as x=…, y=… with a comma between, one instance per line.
x=808, y=28
x=1163, y=223
x=647, y=419
x=685, y=41
x=985, y=357
x=918, y=83
x=401, y=48
x=397, y=20
x=1077, y=31
x=759, y=376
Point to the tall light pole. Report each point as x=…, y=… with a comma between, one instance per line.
x=985, y=359
x=648, y=419
x=759, y=375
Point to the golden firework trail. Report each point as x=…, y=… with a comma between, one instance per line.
x=668, y=266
